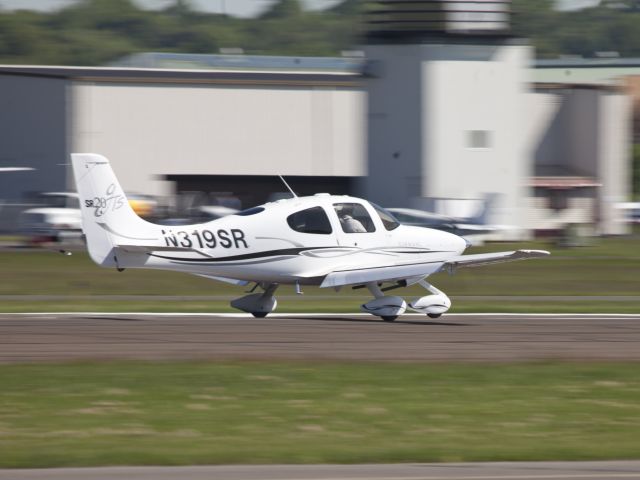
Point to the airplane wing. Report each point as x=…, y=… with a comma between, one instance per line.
x=232, y=281
x=16, y=169
x=415, y=272
x=392, y=273
x=479, y=259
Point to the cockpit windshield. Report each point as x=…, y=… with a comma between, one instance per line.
x=388, y=220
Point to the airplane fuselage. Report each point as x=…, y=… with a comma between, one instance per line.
x=289, y=252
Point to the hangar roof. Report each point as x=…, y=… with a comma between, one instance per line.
x=240, y=69
x=265, y=77
x=596, y=71
x=352, y=64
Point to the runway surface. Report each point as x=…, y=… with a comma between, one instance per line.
x=490, y=337
x=448, y=471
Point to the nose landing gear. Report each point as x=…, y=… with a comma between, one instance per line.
x=433, y=305
x=389, y=308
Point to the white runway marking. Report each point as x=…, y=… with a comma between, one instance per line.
x=442, y=471
x=309, y=315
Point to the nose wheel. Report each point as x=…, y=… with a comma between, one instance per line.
x=433, y=305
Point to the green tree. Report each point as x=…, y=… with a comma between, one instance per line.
x=90, y=32
x=536, y=21
x=348, y=7
x=286, y=9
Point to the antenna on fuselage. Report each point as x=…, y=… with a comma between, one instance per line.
x=288, y=187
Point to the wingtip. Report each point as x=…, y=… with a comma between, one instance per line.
x=536, y=253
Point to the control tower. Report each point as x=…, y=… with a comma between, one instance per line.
x=447, y=99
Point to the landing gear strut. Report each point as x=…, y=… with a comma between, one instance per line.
x=433, y=305
x=258, y=304
x=388, y=308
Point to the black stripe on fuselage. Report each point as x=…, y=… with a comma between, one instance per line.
x=269, y=253
x=247, y=256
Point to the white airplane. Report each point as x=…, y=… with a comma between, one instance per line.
x=325, y=240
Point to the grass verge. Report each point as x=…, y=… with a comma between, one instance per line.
x=312, y=304
x=607, y=268
x=132, y=413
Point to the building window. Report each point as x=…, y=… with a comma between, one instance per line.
x=478, y=139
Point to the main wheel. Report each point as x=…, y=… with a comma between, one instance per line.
x=389, y=318
x=259, y=314
x=434, y=315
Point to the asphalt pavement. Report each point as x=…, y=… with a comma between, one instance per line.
x=445, y=471
x=470, y=337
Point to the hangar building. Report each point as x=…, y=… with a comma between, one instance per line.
x=439, y=115
x=183, y=125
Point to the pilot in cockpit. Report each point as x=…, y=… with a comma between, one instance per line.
x=350, y=224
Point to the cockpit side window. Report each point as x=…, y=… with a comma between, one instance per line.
x=354, y=218
x=310, y=220
x=388, y=220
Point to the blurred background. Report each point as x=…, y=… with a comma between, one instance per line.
x=499, y=120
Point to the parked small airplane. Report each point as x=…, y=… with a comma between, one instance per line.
x=468, y=227
x=325, y=240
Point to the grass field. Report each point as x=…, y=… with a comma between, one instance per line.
x=212, y=413
x=608, y=268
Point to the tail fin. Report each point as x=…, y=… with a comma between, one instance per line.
x=481, y=217
x=107, y=217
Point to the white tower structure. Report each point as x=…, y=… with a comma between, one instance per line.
x=447, y=95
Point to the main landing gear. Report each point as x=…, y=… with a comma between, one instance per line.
x=390, y=307
x=258, y=304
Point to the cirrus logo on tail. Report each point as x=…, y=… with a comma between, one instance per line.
x=109, y=202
